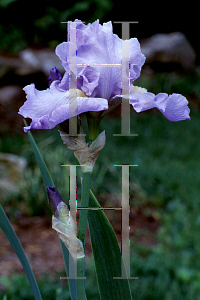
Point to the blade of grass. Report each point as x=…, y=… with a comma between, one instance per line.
x=49, y=182
x=17, y=247
x=107, y=255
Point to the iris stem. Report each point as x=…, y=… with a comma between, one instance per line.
x=81, y=282
x=85, y=192
x=93, y=126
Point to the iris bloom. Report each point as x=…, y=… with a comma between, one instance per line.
x=99, y=86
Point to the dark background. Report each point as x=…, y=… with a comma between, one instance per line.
x=164, y=189
x=36, y=23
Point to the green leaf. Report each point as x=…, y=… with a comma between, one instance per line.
x=49, y=182
x=43, y=168
x=105, y=246
x=15, y=243
x=107, y=255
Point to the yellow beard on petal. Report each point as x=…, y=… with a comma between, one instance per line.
x=76, y=93
x=137, y=90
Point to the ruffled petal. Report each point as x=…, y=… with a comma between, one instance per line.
x=50, y=107
x=98, y=48
x=62, y=51
x=141, y=102
x=174, y=107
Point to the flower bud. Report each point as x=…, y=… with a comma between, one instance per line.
x=54, y=75
x=64, y=224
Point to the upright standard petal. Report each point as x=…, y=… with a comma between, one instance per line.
x=50, y=107
x=99, y=59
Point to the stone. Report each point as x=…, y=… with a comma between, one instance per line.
x=27, y=62
x=13, y=64
x=9, y=94
x=11, y=98
x=169, y=48
x=8, y=63
x=41, y=60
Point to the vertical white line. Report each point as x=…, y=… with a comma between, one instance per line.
x=125, y=221
x=73, y=204
x=125, y=257
x=125, y=106
x=73, y=209
x=72, y=79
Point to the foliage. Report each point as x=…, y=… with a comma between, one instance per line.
x=157, y=280
x=22, y=27
x=17, y=287
x=167, y=177
x=165, y=150
x=172, y=82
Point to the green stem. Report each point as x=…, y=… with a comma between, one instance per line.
x=93, y=126
x=85, y=191
x=86, y=179
x=81, y=282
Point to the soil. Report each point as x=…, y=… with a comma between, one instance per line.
x=42, y=246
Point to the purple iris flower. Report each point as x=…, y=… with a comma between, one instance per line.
x=99, y=82
x=54, y=75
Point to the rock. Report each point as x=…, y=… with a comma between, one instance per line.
x=10, y=94
x=169, y=48
x=11, y=98
x=13, y=66
x=8, y=63
x=27, y=62
x=41, y=60
x=12, y=168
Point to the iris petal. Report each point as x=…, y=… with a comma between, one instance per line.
x=97, y=73
x=173, y=107
x=50, y=107
x=99, y=48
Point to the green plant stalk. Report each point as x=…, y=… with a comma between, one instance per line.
x=93, y=126
x=81, y=282
x=49, y=182
x=17, y=247
x=72, y=282
x=85, y=191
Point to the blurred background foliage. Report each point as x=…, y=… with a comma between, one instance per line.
x=167, y=153
x=167, y=178
x=39, y=24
